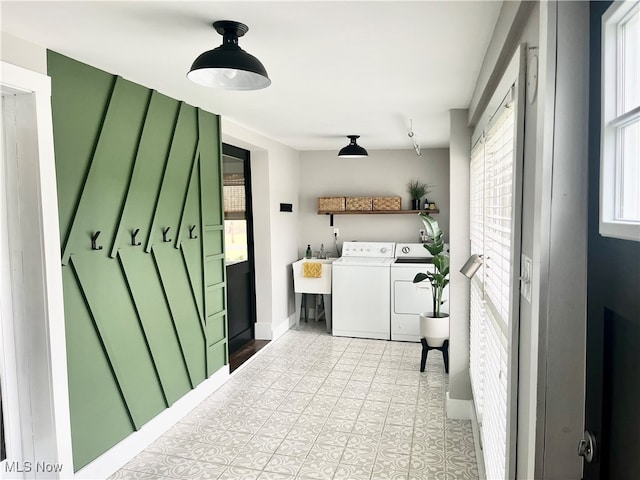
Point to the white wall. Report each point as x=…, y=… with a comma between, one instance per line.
x=275, y=175
x=23, y=54
x=382, y=173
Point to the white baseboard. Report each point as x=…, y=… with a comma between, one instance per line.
x=262, y=331
x=458, y=409
x=283, y=327
x=121, y=453
x=477, y=441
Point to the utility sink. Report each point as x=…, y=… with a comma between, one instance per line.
x=313, y=285
x=319, y=286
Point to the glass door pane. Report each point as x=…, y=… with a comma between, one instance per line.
x=235, y=210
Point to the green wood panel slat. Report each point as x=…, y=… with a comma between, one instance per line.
x=216, y=356
x=216, y=329
x=175, y=282
x=215, y=298
x=78, y=110
x=104, y=190
x=116, y=320
x=142, y=278
x=210, y=169
x=176, y=176
x=190, y=216
x=215, y=270
x=191, y=254
x=213, y=241
x=149, y=167
x=192, y=247
x=99, y=416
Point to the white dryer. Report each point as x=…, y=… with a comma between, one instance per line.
x=409, y=299
x=361, y=290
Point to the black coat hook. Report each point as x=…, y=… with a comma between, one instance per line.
x=94, y=238
x=133, y=238
x=165, y=231
x=191, y=235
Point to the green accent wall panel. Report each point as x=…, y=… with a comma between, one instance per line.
x=158, y=327
x=217, y=356
x=81, y=98
x=176, y=177
x=95, y=400
x=210, y=171
x=175, y=281
x=119, y=328
x=106, y=185
x=142, y=327
x=148, y=171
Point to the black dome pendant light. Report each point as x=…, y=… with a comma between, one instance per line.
x=353, y=150
x=228, y=66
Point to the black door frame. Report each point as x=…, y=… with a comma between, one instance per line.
x=245, y=156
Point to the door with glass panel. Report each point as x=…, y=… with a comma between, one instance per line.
x=238, y=230
x=612, y=422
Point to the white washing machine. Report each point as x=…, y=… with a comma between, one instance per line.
x=409, y=299
x=361, y=292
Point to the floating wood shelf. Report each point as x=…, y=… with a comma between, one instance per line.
x=373, y=212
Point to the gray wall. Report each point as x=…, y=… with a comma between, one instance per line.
x=459, y=154
x=382, y=173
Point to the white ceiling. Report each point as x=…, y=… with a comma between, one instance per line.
x=337, y=68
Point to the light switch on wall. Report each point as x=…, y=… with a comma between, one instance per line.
x=525, y=278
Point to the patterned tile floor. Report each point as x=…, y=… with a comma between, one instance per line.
x=313, y=406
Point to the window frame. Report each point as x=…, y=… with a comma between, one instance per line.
x=613, y=120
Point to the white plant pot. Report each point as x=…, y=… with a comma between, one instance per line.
x=434, y=329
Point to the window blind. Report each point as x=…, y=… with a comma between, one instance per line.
x=491, y=228
x=476, y=337
x=498, y=216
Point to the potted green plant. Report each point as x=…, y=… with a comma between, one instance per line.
x=434, y=325
x=417, y=190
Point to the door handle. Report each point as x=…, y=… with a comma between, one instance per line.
x=587, y=446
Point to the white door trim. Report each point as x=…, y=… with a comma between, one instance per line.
x=8, y=370
x=41, y=345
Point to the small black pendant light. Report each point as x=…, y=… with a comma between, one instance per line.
x=353, y=150
x=228, y=66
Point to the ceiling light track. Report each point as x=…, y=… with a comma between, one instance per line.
x=412, y=136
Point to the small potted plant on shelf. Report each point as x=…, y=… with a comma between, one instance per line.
x=417, y=190
x=434, y=325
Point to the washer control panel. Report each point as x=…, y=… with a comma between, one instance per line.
x=368, y=249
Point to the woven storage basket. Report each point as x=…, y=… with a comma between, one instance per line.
x=386, y=203
x=358, y=203
x=331, y=204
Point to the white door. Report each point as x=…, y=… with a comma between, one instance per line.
x=9, y=274
x=33, y=379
